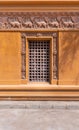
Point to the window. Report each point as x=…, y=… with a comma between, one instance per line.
x=39, y=60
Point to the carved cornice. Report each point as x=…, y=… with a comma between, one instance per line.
x=38, y=20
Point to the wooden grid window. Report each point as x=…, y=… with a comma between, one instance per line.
x=39, y=56
x=39, y=60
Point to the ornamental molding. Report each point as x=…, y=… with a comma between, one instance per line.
x=38, y=20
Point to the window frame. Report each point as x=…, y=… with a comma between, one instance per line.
x=50, y=56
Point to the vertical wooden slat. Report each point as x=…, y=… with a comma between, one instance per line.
x=51, y=60
x=27, y=61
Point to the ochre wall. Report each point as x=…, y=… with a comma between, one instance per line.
x=10, y=58
x=69, y=57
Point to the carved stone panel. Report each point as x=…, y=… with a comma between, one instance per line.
x=39, y=20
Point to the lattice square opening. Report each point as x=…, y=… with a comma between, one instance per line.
x=39, y=60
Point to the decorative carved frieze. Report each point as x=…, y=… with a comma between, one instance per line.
x=24, y=35
x=37, y=20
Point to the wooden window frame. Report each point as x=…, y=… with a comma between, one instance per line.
x=51, y=59
x=25, y=36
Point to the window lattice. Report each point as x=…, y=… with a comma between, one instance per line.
x=39, y=60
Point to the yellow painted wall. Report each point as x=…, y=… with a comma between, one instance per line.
x=69, y=58
x=10, y=58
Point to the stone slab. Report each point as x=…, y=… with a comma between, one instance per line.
x=39, y=115
x=67, y=105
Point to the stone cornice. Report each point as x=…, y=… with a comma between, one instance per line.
x=38, y=2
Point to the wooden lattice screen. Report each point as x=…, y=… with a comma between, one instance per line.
x=39, y=60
